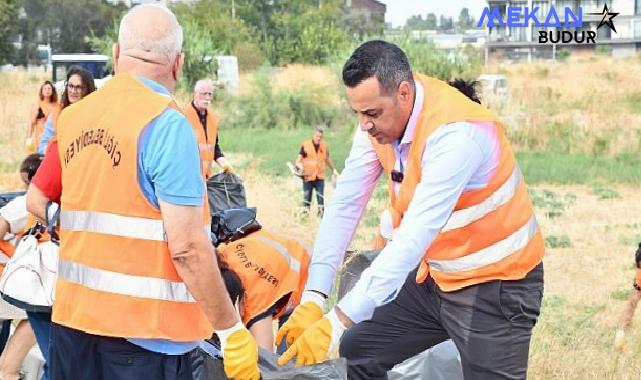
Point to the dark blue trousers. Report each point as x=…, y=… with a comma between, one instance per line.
x=41, y=325
x=76, y=355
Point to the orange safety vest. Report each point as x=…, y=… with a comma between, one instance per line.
x=116, y=276
x=637, y=277
x=270, y=267
x=314, y=163
x=206, y=142
x=492, y=232
x=47, y=109
x=7, y=249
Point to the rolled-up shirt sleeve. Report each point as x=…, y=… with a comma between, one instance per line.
x=448, y=163
x=344, y=211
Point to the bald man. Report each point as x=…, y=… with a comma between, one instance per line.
x=138, y=284
x=205, y=126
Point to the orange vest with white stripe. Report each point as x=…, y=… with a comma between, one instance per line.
x=492, y=233
x=206, y=142
x=47, y=108
x=314, y=162
x=116, y=276
x=270, y=267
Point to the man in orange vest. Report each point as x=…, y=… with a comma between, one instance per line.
x=463, y=258
x=138, y=285
x=312, y=157
x=205, y=126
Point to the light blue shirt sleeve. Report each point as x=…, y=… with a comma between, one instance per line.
x=169, y=164
x=46, y=136
x=450, y=160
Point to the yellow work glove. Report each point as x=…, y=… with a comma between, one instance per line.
x=240, y=353
x=309, y=311
x=29, y=145
x=228, y=169
x=318, y=343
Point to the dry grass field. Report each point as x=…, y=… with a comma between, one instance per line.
x=592, y=229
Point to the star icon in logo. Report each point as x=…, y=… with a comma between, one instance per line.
x=607, y=17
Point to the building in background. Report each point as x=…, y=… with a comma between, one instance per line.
x=367, y=17
x=521, y=43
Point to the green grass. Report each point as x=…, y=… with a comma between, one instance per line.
x=274, y=147
x=567, y=168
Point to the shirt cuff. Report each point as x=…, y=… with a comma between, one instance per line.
x=180, y=200
x=321, y=278
x=357, y=306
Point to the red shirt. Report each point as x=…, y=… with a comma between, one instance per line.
x=48, y=178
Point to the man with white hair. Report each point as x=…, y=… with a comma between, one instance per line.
x=138, y=284
x=205, y=126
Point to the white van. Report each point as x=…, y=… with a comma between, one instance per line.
x=494, y=88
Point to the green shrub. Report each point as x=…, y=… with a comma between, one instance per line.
x=563, y=54
x=268, y=107
x=558, y=241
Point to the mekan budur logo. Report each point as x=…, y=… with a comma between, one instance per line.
x=525, y=16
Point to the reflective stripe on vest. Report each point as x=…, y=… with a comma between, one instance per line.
x=492, y=254
x=125, y=284
x=501, y=196
x=113, y=224
x=119, y=225
x=291, y=261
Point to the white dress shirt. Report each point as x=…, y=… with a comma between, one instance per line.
x=458, y=157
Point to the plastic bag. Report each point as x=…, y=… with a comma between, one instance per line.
x=441, y=362
x=225, y=191
x=210, y=368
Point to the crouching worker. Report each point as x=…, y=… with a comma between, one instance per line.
x=626, y=319
x=273, y=272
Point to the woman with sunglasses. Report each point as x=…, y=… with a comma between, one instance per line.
x=79, y=83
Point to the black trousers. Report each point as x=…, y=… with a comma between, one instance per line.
x=490, y=323
x=76, y=355
x=319, y=186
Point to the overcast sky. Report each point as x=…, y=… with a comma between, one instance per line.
x=400, y=10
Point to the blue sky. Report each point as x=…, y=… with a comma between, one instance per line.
x=400, y=10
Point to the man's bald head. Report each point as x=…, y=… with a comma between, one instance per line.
x=150, y=44
x=153, y=29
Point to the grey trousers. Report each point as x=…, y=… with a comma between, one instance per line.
x=490, y=323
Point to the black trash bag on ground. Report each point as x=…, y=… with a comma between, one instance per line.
x=441, y=362
x=225, y=191
x=210, y=368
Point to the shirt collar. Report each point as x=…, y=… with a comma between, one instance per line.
x=199, y=112
x=155, y=86
x=408, y=136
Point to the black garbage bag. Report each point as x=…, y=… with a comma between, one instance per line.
x=225, y=191
x=234, y=223
x=211, y=368
x=353, y=265
x=441, y=362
